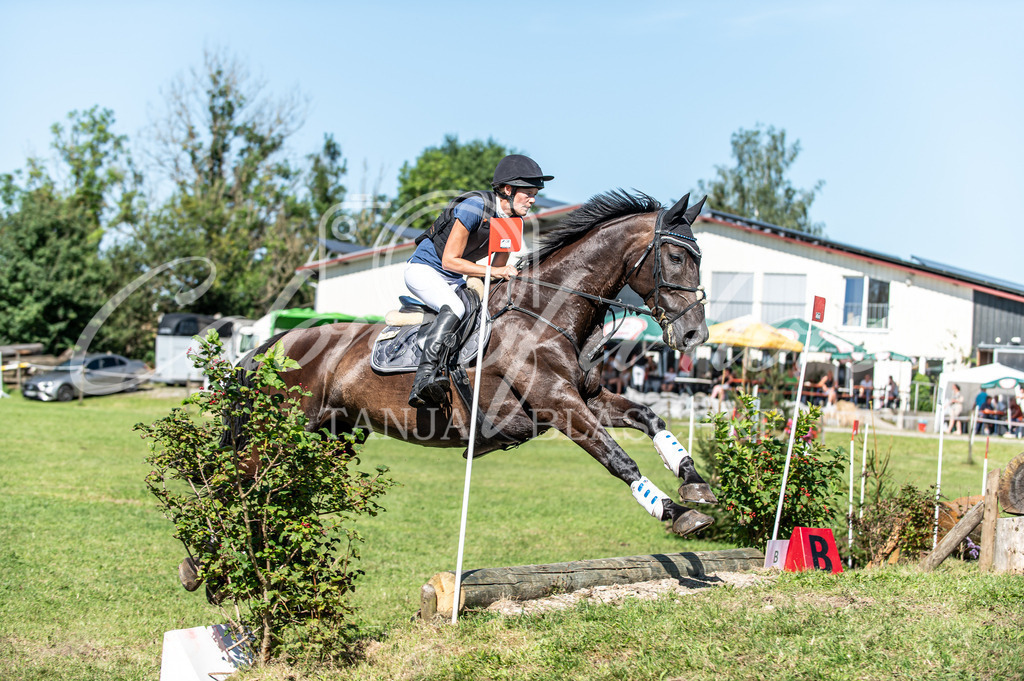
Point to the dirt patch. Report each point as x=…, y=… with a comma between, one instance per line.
x=618, y=593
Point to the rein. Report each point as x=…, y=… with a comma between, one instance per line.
x=657, y=312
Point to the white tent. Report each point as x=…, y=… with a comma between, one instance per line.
x=983, y=374
x=986, y=373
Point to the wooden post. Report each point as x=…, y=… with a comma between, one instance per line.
x=953, y=538
x=988, y=523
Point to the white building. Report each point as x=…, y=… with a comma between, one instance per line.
x=926, y=310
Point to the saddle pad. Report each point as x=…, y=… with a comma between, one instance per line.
x=396, y=349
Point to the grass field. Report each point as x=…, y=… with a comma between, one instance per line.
x=88, y=578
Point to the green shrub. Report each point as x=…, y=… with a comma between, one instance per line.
x=263, y=514
x=747, y=458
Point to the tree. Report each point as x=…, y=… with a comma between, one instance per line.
x=53, y=279
x=236, y=195
x=757, y=186
x=426, y=186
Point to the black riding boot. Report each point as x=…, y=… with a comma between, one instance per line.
x=429, y=384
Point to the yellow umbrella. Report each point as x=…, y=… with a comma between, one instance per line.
x=748, y=333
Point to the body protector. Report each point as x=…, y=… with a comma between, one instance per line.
x=476, y=247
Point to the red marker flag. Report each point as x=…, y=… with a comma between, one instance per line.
x=818, y=313
x=506, y=235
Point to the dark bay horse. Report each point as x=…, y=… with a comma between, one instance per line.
x=546, y=324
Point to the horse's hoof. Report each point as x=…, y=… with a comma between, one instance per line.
x=188, y=573
x=697, y=493
x=690, y=522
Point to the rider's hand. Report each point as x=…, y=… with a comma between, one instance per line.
x=504, y=272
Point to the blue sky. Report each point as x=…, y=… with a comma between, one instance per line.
x=912, y=112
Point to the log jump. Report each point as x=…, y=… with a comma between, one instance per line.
x=480, y=588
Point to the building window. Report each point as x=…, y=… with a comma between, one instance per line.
x=785, y=295
x=732, y=295
x=872, y=299
x=878, y=304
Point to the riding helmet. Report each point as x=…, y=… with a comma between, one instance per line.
x=519, y=171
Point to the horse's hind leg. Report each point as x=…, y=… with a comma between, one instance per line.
x=618, y=412
x=582, y=427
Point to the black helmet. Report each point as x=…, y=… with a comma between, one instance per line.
x=519, y=171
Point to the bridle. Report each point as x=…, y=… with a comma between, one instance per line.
x=688, y=242
x=661, y=235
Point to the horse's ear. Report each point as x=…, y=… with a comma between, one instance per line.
x=674, y=214
x=691, y=215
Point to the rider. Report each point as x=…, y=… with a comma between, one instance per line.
x=448, y=251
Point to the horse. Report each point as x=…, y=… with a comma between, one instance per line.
x=539, y=373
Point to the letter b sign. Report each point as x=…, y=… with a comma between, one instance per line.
x=812, y=548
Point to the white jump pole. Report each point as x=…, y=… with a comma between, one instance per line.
x=938, y=476
x=471, y=449
x=863, y=470
x=693, y=408
x=849, y=516
x=984, y=470
x=817, y=314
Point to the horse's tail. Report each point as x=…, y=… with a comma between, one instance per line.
x=233, y=435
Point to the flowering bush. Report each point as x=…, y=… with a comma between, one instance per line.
x=263, y=511
x=748, y=456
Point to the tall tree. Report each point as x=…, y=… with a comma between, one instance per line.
x=235, y=198
x=757, y=185
x=53, y=279
x=426, y=185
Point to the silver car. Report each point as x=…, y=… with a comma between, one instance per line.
x=92, y=375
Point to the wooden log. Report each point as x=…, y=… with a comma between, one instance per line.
x=953, y=538
x=1011, y=486
x=988, y=522
x=1009, y=546
x=482, y=587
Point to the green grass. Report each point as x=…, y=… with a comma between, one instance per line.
x=88, y=578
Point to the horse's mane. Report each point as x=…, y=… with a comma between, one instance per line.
x=613, y=204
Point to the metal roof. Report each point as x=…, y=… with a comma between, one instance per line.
x=919, y=264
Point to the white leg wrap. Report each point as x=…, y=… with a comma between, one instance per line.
x=648, y=496
x=671, y=452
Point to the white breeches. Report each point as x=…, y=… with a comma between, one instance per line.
x=433, y=289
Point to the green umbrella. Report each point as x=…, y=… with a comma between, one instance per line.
x=1006, y=383
x=822, y=340
x=633, y=328
x=873, y=356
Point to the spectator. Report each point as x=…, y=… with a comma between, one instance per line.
x=956, y=407
x=1016, y=420
x=892, y=395
x=724, y=383
x=611, y=378
x=865, y=391
x=668, y=382
x=826, y=388
x=980, y=403
x=639, y=374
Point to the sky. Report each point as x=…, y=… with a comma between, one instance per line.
x=911, y=112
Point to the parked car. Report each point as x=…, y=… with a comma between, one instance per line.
x=102, y=375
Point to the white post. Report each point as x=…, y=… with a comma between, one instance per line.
x=863, y=470
x=792, y=430
x=849, y=518
x=938, y=476
x=689, y=444
x=472, y=440
x=984, y=470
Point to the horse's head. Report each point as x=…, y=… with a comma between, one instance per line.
x=667, y=276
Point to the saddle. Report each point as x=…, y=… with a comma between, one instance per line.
x=399, y=346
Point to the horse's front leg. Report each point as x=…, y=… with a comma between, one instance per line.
x=615, y=411
x=581, y=425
